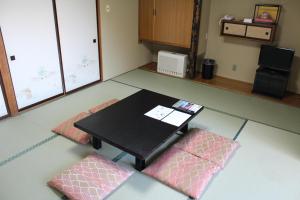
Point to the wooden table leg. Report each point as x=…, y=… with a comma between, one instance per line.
x=97, y=144
x=140, y=164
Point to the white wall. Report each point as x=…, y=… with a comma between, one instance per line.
x=121, y=50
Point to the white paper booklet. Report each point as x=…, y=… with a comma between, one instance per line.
x=159, y=112
x=176, y=118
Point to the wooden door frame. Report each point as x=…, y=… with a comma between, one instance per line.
x=8, y=89
x=98, y=13
x=4, y=97
x=59, y=46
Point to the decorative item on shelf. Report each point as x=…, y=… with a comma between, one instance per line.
x=267, y=13
x=226, y=17
x=247, y=20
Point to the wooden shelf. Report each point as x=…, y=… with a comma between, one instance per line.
x=257, y=31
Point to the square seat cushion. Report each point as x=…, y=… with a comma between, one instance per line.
x=93, y=178
x=68, y=130
x=182, y=171
x=103, y=105
x=208, y=145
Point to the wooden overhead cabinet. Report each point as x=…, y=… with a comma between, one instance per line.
x=146, y=19
x=166, y=21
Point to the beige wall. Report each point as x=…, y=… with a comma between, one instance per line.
x=121, y=51
x=204, y=24
x=229, y=51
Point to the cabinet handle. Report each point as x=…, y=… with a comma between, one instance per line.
x=267, y=33
x=226, y=28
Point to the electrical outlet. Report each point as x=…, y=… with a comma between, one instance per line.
x=234, y=67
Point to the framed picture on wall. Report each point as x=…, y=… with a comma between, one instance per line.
x=267, y=13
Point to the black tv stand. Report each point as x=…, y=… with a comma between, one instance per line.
x=271, y=82
x=274, y=70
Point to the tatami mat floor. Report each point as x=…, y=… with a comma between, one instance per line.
x=265, y=167
x=236, y=104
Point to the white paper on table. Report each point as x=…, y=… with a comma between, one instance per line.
x=176, y=118
x=159, y=112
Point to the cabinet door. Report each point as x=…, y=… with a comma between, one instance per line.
x=257, y=32
x=146, y=19
x=29, y=35
x=173, y=22
x=234, y=29
x=77, y=24
x=3, y=109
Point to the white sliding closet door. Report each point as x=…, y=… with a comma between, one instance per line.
x=29, y=33
x=77, y=24
x=3, y=109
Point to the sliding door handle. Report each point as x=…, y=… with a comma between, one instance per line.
x=13, y=57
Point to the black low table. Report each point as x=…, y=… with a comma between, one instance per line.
x=125, y=126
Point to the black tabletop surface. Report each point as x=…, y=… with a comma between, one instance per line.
x=125, y=126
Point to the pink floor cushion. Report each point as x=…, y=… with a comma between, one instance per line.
x=103, y=105
x=93, y=178
x=68, y=130
x=208, y=145
x=182, y=171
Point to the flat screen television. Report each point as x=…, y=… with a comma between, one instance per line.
x=275, y=57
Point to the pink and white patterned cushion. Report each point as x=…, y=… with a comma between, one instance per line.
x=68, y=130
x=182, y=171
x=103, y=105
x=93, y=178
x=208, y=145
